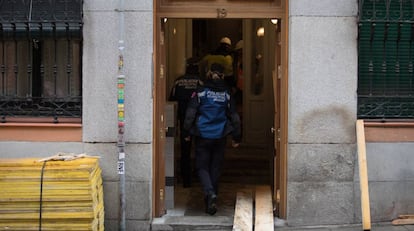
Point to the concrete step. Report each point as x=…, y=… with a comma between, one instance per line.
x=185, y=223
x=189, y=214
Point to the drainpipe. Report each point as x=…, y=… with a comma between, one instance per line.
x=121, y=118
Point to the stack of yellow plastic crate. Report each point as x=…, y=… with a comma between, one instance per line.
x=51, y=195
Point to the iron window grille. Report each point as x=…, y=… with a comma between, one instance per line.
x=385, y=65
x=40, y=59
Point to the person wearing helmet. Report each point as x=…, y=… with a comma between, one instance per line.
x=181, y=92
x=210, y=117
x=223, y=56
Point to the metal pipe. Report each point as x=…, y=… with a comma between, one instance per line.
x=121, y=118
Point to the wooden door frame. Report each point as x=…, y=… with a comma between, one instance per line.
x=283, y=116
x=217, y=9
x=158, y=163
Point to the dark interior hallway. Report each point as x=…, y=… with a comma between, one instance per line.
x=244, y=168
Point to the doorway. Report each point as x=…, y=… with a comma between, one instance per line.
x=252, y=77
x=260, y=159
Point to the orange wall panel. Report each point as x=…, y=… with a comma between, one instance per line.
x=41, y=132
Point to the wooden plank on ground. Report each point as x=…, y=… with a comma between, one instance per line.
x=363, y=175
x=404, y=220
x=243, y=215
x=264, y=209
x=406, y=216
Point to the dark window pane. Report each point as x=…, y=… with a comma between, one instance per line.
x=40, y=59
x=385, y=70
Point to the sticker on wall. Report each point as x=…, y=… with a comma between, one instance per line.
x=121, y=167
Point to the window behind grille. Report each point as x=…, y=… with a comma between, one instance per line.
x=386, y=51
x=40, y=60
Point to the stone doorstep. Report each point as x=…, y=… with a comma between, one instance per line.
x=200, y=223
x=177, y=221
x=213, y=223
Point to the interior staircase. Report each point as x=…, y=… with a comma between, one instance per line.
x=245, y=165
x=244, y=169
x=240, y=207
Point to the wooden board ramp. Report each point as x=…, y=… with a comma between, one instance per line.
x=52, y=195
x=243, y=215
x=254, y=211
x=263, y=209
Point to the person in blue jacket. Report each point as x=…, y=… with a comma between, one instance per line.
x=210, y=117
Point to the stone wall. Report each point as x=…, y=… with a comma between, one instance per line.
x=100, y=120
x=322, y=111
x=100, y=59
x=323, y=178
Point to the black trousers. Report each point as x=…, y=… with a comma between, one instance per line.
x=185, y=160
x=209, y=155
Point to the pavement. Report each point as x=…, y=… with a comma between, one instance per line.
x=188, y=214
x=354, y=227
x=224, y=223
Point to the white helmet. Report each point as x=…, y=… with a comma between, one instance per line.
x=225, y=40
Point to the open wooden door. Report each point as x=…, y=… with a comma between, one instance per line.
x=258, y=52
x=280, y=128
x=159, y=131
x=276, y=130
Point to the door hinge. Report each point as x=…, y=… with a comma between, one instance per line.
x=278, y=134
x=161, y=194
x=277, y=131
x=279, y=72
x=278, y=196
x=161, y=71
x=162, y=38
x=162, y=131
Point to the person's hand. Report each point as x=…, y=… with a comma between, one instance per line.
x=235, y=144
x=188, y=138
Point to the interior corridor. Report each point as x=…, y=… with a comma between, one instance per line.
x=243, y=168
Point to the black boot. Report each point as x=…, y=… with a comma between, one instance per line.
x=211, y=203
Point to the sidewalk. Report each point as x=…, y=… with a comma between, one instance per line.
x=225, y=223
x=374, y=227
x=188, y=214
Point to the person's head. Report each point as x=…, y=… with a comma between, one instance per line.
x=225, y=45
x=226, y=41
x=191, y=66
x=216, y=72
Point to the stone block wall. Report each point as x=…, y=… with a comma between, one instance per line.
x=322, y=111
